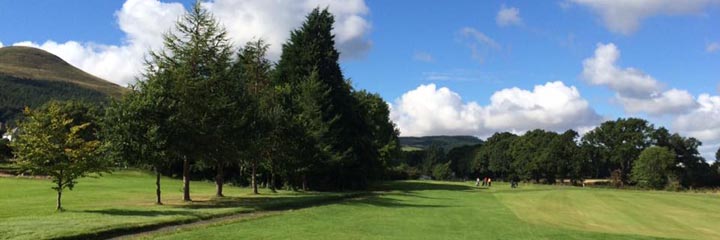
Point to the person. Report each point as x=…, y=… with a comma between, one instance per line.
x=489, y=182
x=477, y=182
x=484, y=181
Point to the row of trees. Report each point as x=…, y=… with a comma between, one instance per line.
x=615, y=149
x=204, y=106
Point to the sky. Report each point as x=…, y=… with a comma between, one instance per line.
x=460, y=67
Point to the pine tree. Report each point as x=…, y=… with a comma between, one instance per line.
x=311, y=48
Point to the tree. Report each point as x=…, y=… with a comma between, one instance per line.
x=620, y=142
x=530, y=156
x=383, y=132
x=207, y=100
x=495, y=157
x=60, y=140
x=255, y=69
x=139, y=128
x=311, y=49
x=563, y=150
x=654, y=167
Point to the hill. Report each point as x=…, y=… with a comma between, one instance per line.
x=446, y=142
x=31, y=77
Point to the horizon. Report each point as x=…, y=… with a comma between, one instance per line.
x=470, y=68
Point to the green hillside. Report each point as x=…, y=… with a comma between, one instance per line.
x=446, y=142
x=31, y=77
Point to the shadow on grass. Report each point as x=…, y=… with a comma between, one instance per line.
x=142, y=213
x=247, y=205
x=384, y=201
x=423, y=186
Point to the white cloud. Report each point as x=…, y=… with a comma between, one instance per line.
x=273, y=21
x=1, y=44
x=712, y=47
x=144, y=22
x=672, y=101
x=423, y=57
x=478, y=42
x=702, y=123
x=429, y=110
x=625, y=16
x=508, y=16
x=635, y=90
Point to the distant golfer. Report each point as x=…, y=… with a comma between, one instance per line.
x=477, y=182
x=489, y=182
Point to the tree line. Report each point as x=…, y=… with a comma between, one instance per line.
x=626, y=151
x=203, y=109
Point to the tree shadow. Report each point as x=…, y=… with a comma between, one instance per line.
x=410, y=186
x=384, y=201
x=271, y=203
x=142, y=213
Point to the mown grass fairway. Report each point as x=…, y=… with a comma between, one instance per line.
x=436, y=210
x=123, y=199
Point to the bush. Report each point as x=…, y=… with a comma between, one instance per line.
x=653, y=169
x=442, y=171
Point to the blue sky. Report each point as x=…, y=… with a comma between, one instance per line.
x=439, y=64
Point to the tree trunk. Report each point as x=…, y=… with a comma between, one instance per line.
x=186, y=179
x=253, y=181
x=219, y=180
x=272, y=181
x=59, y=196
x=157, y=186
x=304, y=182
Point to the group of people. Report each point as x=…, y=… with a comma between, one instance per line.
x=485, y=182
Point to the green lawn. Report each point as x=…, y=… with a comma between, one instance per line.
x=439, y=210
x=120, y=200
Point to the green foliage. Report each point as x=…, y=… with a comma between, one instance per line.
x=653, y=169
x=17, y=93
x=494, y=157
x=442, y=171
x=339, y=133
x=620, y=142
x=60, y=140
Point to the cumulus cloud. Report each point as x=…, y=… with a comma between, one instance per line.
x=625, y=16
x=144, y=22
x=702, y=123
x=508, y=16
x=478, y=42
x=273, y=21
x=429, y=110
x=635, y=90
x=711, y=47
x=423, y=57
x=1, y=44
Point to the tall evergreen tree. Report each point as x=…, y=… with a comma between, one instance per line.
x=311, y=48
x=206, y=99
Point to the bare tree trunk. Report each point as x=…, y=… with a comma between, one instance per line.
x=253, y=181
x=157, y=187
x=304, y=182
x=186, y=179
x=219, y=180
x=272, y=181
x=59, y=195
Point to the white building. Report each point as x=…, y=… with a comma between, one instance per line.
x=10, y=135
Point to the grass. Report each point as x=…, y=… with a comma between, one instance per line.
x=442, y=210
x=123, y=200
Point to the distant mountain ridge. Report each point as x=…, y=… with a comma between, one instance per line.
x=31, y=77
x=446, y=142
